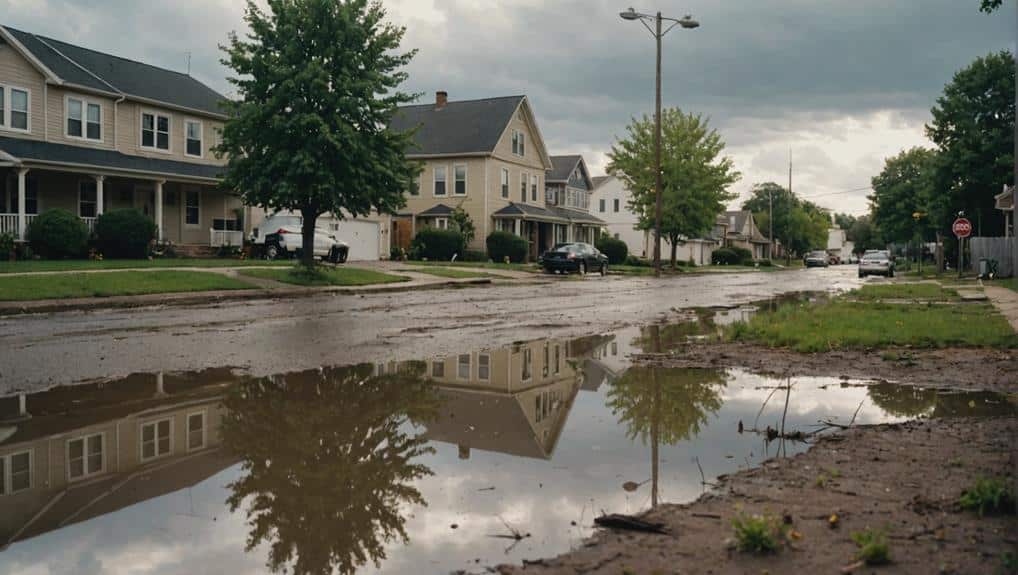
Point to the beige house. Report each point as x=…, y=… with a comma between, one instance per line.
x=90, y=132
x=740, y=231
x=486, y=156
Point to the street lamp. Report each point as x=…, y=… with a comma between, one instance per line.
x=686, y=22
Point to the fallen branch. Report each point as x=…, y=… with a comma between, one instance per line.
x=629, y=523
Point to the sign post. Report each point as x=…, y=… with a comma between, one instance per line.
x=962, y=229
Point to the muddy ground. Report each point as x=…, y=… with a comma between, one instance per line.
x=905, y=478
x=963, y=368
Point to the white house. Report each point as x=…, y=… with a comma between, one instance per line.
x=838, y=244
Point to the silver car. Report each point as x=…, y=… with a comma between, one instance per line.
x=877, y=262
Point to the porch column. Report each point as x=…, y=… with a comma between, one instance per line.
x=159, y=209
x=21, y=203
x=99, y=194
x=516, y=227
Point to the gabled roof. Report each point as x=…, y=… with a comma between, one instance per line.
x=737, y=220
x=437, y=210
x=577, y=216
x=514, y=210
x=598, y=181
x=562, y=170
x=77, y=66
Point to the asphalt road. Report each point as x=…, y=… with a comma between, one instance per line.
x=273, y=336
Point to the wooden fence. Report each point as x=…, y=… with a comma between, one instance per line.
x=1000, y=249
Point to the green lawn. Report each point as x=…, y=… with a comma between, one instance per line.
x=917, y=291
x=452, y=273
x=7, y=267
x=343, y=276
x=73, y=285
x=1010, y=283
x=845, y=324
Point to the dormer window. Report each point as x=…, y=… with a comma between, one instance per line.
x=84, y=119
x=155, y=131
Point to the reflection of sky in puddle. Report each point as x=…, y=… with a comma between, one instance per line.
x=555, y=445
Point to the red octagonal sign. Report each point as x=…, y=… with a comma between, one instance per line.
x=962, y=228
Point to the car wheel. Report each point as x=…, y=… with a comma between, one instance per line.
x=604, y=270
x=862, y=275
x=272, y=251
x=582, y=269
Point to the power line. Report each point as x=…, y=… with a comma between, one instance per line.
x=838, y=192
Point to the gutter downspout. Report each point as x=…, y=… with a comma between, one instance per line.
x=116, y=119
x=45, y=111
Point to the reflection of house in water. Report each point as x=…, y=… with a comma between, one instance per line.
x=73, y=453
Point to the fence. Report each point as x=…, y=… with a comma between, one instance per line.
x=1000, y=249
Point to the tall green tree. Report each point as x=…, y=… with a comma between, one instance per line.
x=904, y=188
x=990, y=6
x=865, y=235
x=695, y=174
x=317, y=83
x=798, y=224
x=973, y=127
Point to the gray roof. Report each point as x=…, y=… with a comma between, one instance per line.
x=28, y=150
x=464, y=127
x=598, y=180
x=437, y=210
x=740, y=217
x=99, y=71
x=562, y=168
x=528, y=211
x=575, y=215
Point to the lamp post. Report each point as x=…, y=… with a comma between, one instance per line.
x=688, y=23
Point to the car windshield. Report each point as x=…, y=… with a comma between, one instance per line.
x=566, y=248
x=818, y=254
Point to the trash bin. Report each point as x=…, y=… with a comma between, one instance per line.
x=987, y=268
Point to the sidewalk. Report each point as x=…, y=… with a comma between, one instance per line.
x=1006, y=302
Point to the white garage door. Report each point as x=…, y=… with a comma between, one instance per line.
x=363, y=238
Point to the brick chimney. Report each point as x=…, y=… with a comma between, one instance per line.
x=441, y=99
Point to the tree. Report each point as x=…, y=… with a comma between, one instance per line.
x=973, y=127
x=695, y=176
x=903, y=188
x=328, y=463
x=844, y=221
x=990, y=6
x=317, y=84
x=864, y=235
x=799, y=225
x=462, y=223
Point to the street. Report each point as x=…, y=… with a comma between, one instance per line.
x=272, y=336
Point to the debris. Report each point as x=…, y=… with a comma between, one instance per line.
x=706, y=515
x=628, y=522
x=454, y=526
x=631, y=486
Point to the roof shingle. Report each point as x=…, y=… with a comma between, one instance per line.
x=464, y=127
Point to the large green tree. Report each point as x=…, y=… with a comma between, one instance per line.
x=865, y=235
x=695, y=174
x=317, y=83
x=903, y=189
x=799, y=225
x=973, y=127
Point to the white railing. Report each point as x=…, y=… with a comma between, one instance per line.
x=90, y=222
x=226, y=238
x=9, y=224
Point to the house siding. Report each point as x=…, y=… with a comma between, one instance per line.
x=129, y=134
x=56, y=119
x=16, y=71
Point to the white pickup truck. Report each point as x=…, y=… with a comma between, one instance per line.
x=282, y=235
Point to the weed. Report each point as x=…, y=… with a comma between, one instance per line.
x=956, y=462
x=873, y=546
x=989, y=495
x=759, y=533
x=821, y=481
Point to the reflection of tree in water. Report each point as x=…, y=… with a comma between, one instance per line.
x=908, y=401
x=902, y=400
x=659, y=338
x=328, y=461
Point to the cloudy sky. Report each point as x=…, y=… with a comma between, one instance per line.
x=842, y=84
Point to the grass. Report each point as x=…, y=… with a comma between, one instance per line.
x=993, y=495
x=73, y=285
x=344, y=276
x=7, y=267
x=916, y=291
x=1009, y=283
x=759, y=533
x=873, y=546
x=451, y=273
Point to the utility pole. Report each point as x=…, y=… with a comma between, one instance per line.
x=657, y=155
x=770, y=222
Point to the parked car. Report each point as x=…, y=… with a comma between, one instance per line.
x=575, y=257
x=540, y=258
x=876, y=262
x=816, y=259
x=282, y=235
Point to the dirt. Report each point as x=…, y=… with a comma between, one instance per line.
x=963, y=368
x=905, y=478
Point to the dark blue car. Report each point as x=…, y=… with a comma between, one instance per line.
x=575, y=257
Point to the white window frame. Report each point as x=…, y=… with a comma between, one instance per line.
x=155, y=131
x=204, y=429
x=523, y=145
x=527, y=367
x=141, y=439
x=441, y=223
x=524, y=177
x=183, y=206
x=487, y=366
x=95, y=214
x=445, y=182
x=8, y=109
x=201, y=138
x=85, y=103
x=459, y=365
x=504, y=183
x=616, y=204
x=534, y=181
x=85, y=473
x=455, y=179
x=7, y=487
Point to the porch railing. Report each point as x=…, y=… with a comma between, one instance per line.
x=226, y=238
x=90, y=222
x=9, y=223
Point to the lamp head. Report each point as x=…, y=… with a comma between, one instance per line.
x=688, y=22
x=629, y=14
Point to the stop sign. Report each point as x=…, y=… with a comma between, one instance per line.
x=962, y=228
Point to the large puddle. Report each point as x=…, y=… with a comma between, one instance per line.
x=425, y=466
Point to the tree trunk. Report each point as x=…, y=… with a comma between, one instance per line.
x=307, y=256
x=675, y=244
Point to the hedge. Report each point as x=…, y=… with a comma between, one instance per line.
x=616, y=250
x=732, y=256
x=58, y=234
x=436, y=244
x=506, y=244
x=124, y=233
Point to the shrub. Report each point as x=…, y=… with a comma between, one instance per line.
x=616, y=250
x=873, y=547
x=732, y=256
x=436, y=244
x=759, y=533
x=473, y=256
x=993, y=495
x=506, y=244
x=765, y=263
x=124, y=233
x=634, y=261
x=7, y=246
x=58, y=234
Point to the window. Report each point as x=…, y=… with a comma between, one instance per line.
x=14, y=108
x=463, y=366
x=84, y=119
x=155, y=439
x=225, y=225
x=440, y=180
x=196, y=431
x=442, y=223
x=192, y=208
x=519, y=143
x=547, y=361
x=155, y=131
x=15, y=472
x=459, y=174
x=87, y=200
x=193, y=138
x=615, y=204
x=533, y=188
x=505, y=183
x=523, y=187
x=438, y=369
x=549, y=196
x=3, y=107
x=600, y=205
x=85, y=456
x=526, y=364
x=483, y=366
x=558, y=359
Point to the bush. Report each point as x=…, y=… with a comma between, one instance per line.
x=58, y=234
x=873, y=547
x=759, y=533
x=616, y=250
x=765, y=263
x=436, y=244
x=6, y=246
x=124, y=233
x=506, y=244
x=473, y=256
x=992, y=495
x=637, y=262
x=732, y=256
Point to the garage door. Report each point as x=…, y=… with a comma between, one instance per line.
x=363, y=238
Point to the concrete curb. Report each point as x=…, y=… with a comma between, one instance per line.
x=189, y=298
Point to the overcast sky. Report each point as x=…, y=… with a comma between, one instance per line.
x=841, y=83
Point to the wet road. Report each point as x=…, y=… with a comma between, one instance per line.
x=265, y=337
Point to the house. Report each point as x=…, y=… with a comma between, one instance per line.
x=567, y=194
x=611, y=202
x=838, y=245
x=90, y=132
x=1004, y=201
x=741, y=232
x=485, y=156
